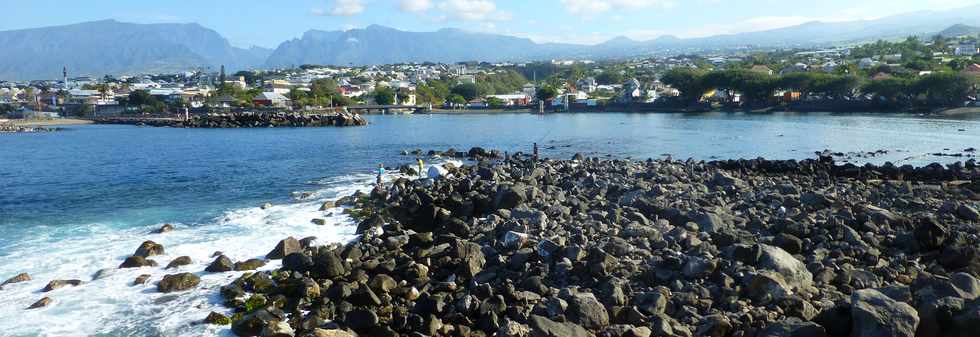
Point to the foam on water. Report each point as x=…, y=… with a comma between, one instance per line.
x=113, y=306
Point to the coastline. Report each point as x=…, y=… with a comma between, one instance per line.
x=636, y=246
x=51, y=122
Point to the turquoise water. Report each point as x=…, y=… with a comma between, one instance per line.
x=80, y=200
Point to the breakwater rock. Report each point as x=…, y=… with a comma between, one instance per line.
x=246, y=120
x=12, y=128
x=622, y=248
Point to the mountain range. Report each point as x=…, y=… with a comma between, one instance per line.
x=113, y=47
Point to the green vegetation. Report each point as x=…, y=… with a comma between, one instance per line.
x=384, y=95
x=930, y=90
x=322, y=92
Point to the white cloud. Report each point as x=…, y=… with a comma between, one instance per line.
x=342, y=8
x=415, y=6
x=473, y=10
x=593, y=7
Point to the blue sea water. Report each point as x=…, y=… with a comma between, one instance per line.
x=80, y=200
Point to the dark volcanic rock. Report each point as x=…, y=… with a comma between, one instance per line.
x=41, y=303
x=178, y=282
x=137, y=262
x=149, y=248
x=285, y=247
x=180, y=261
x=56, y=284
x=220, y=264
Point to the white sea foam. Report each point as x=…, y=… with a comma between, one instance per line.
x=112, y=306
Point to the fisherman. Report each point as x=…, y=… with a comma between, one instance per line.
x=421, y=166
x=535, y=157
x=381, y=173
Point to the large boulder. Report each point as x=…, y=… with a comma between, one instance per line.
x=149, y=248
x=137, y=262
x=543, y=327
x=794, y=327
x=876, y=315
x=178, y=282
x=178, y=262
x=22, y=277
x=509, y=196
x=220, y=264
x=60, y=283
x=793, y=271
x=585, y=309
x=285, y=247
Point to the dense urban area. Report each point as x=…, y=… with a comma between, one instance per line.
x=911, y=74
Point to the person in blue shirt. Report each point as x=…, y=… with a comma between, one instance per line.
x=381, y=173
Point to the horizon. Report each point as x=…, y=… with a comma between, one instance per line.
x=639, y=20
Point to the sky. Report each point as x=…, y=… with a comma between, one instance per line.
x=267, y=23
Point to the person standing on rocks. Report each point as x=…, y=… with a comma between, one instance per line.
x=421, y=166
x=535, y=156
x=381, y=173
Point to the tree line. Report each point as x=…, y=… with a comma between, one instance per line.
x=757, y=88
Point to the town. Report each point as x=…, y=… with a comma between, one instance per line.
x=921, y=74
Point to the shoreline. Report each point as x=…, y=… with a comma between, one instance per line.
x=586, y=246
x=51, y=122
x=590, y=246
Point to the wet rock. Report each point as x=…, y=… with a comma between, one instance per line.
x=142, y=279
x=285, y=247
x=137, y=262
x=178, y=262
x=22, y=277
x=220, y=264
x=328, y=265
x=149, y=248
x=56, y=284
x=266, y=206
x=178, y=282
x=278, y=329
x=166, y=228
x=250, y=264
x=215, y=318
x=875, y=314
x=103, y=273
x=327, y=205
x=46, y=301
x=319, y=221
x=253, y=323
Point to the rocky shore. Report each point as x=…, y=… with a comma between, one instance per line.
x=589, y=247
x=246, y=120
x=618, y=248
x=12, y=128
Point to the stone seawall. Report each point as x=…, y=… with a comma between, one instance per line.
x=246, y=120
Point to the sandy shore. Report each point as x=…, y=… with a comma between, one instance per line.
x=51, y=122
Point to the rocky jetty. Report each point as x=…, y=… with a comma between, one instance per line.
x=12, y=128
x=619, y=248
x=247, y=120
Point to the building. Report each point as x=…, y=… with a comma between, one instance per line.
x=631, y=90
x=238, y=83
x=270, y=99
x=513, y=99
x=796, y=68
x=588, y=85
x=966, y=49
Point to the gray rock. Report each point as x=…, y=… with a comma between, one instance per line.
x=793, y=271
x=794, y=327
x=877, y=315
x=178, y=282
x=285, y=247
x=585, y=309
x=543, y=327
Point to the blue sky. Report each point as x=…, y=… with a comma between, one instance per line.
x=267, y=23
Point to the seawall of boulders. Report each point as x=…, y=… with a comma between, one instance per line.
x=618, y=248
x=247, y=120
x=12, y=128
